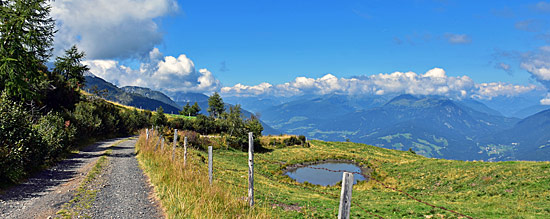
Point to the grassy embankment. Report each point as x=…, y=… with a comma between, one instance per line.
x=184, y=191
x=475, y=189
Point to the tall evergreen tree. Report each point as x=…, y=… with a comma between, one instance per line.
x=195, y=109
x=159, y=119
x=215, y=105
x=26, y=39
x=185, y=110
x=71, y=68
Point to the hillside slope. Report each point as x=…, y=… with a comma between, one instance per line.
x=529, y=139
x=120, y=96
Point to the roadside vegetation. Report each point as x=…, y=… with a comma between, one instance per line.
x=184, y=190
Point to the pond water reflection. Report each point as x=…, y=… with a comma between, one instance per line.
x=324, y=177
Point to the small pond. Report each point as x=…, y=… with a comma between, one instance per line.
x=313, y=175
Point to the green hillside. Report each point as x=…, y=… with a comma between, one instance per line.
x=403, y=185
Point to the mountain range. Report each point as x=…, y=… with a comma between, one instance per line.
x=433, y=126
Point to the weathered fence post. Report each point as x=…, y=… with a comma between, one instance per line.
x=175, y=144
x=158, y=143
x=146, y=134
x=345, y=196
x=184, y=151
x=250, y=169
x=210, y=164
x=162, y=145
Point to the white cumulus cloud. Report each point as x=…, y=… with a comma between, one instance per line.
x=433, y=82
x=537, y=63
x=546, y=100
x=107, y=29
x=160, y=73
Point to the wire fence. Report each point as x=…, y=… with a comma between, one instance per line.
x=271, y=198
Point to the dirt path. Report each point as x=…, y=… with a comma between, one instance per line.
x=125, y=192
x=43, y=194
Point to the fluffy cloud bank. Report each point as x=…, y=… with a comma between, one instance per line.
x=433, y=82
x=168, y=73
x=108, y=29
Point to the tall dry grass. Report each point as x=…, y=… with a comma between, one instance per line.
x=184, y=191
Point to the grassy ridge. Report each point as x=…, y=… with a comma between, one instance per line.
x=476, y=189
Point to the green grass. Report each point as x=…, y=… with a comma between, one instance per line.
x=476, y=189
x=184, y=190
x=180, y=116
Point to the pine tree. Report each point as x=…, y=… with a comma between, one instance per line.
x=26, y=39
x=71, y=68
x=215, y=105
x=195, y=109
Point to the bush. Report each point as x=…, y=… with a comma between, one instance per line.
x=193, y=139
x=87, y=121
x=56, y=133
x=20, y=149
x=292, y=141
x=302, y=138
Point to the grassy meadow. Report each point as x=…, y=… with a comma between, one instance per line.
x=403, y=185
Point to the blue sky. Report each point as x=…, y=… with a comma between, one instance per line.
x=275, y=41
x=204, y=46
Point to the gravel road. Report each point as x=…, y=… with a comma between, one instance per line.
x=126, y=192
x=43, y=194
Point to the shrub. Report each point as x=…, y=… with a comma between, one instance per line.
x=20, y=149
x=87, y=121
x=292, y=141
x=302, y=138
x=193, y=139
x=57, y=134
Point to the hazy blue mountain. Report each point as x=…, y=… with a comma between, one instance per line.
x=181, y=98
x=120, y=96
x=151, y=94
x=432, y=126
x=479, y=106
x=253, y=103
x=530, y=110
x=508, y=106
x=529, y=139
x=301, y=112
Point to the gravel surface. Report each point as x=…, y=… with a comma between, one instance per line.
x=43, y=194
x=126, y=192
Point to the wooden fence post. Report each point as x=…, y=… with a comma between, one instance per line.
x=158, y=143
x=162, y=145
x=184, y=151
x=146, y=134
x=345, y=196
x=210, y=164
x=175, y=144
x=250, y=169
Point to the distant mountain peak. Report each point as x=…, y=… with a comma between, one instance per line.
x=403, y=100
